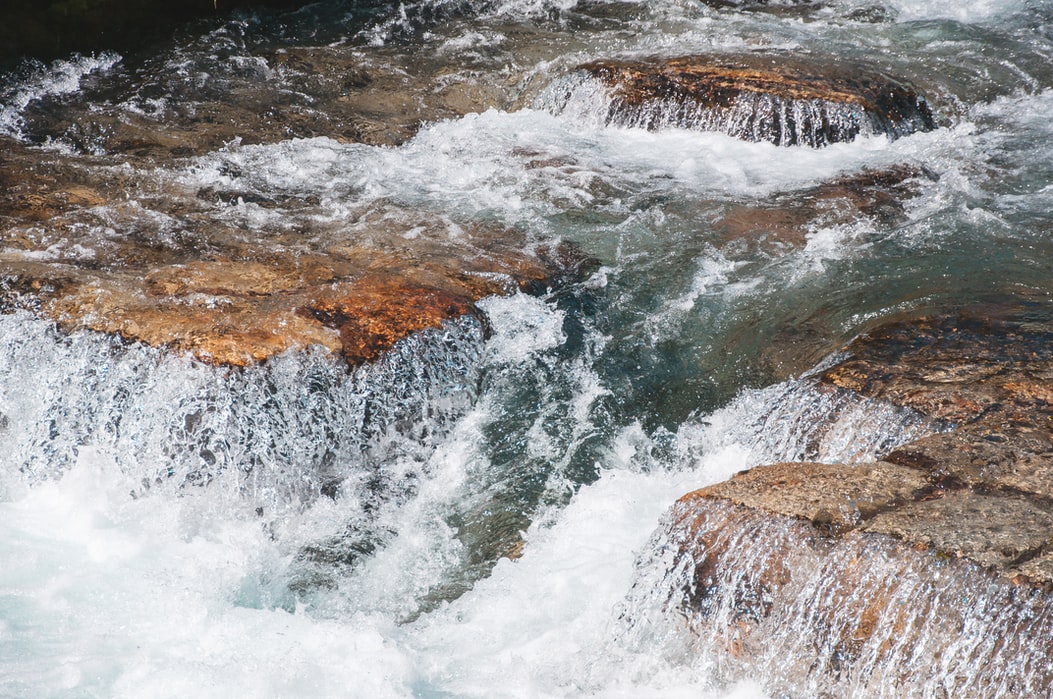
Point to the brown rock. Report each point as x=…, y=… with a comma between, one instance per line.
x=828, y=495
x=941, y=554
x=373, y=314
x=984, y=457
x=761, y=97
x=849, y=615
x=235, y=296
x=992, y=530
x=982, y=362
x=876, y=194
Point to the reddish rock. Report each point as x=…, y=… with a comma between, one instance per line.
x=234, y=297
x=373, y=314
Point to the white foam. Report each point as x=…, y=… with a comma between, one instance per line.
x=524, y=324
x=545, y=625
x=970, y=12
x=62, y=77
x=486, y=164
x=108, y=596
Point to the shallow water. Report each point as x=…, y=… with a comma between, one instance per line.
x=465, y=518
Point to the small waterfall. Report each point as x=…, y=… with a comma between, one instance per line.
x=765, y=597
x=291, y=429
x=802, y=420
x=751, y=116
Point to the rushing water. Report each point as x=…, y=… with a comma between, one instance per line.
x=464, y=517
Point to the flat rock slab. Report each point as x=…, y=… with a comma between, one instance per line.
x=236, y=312
x=1001, y=531
x=828, y=495
x=988, y=362
x=995, y=530
x=984, y=456
x=234, y=295
x=761, y=97
x=980, y=488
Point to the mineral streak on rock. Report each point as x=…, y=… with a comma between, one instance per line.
x=762, y=97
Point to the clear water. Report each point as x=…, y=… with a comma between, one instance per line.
x=169, y=529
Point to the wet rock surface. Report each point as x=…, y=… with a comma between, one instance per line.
x=984, y=374
x=246, y=89
x=179, y=277
x=295, y=92
x=237, y=312
x=991, y=363
x=879, y=195
x=865, y=610
x=964, y=511
x=823, y=493
x=761, y=97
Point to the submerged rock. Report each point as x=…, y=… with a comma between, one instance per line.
x=760, y=97
x=879, y=195
x=941, y=551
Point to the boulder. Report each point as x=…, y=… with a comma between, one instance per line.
x=760, y=97
x=852, y=612
x=992, y=362
x=940, y=552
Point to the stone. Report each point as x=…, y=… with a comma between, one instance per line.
x=980, y=486
x=961, y=367
x=994, y=530
x=761, y=97
x=237, y=312
x=235, y=296
x=335, y=92
x=876, y=194
x=828, y=495
x=983, y=457
x=940, y=552
x=847, y=614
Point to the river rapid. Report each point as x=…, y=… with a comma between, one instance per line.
x=471, y=516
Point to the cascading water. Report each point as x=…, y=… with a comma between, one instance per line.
x=894, y=614
x=472, y=515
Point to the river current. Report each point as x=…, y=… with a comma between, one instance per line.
x=169, y=529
